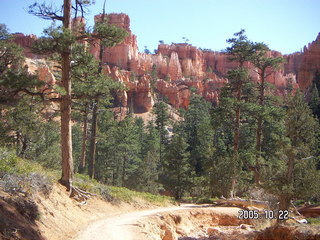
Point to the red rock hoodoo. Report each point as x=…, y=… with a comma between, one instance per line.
x=180, y=67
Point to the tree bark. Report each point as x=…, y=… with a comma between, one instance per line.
x=284, y=202
x=65, y=106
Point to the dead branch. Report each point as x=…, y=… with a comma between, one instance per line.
x=45, y=12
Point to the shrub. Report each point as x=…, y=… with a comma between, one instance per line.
x=8, y=161
x=25, y=207
x=26, y=184
x=21, y=176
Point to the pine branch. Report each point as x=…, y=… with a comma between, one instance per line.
x=45, y=12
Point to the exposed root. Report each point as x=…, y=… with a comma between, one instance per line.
x=295, y=209
x=80, y=195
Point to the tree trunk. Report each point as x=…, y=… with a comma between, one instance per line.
x=84, y=140
x=124, y=166
x=94, y=122
x=233, y=187
x=291, y=157
x=65, y=107
x=92, y=150
x=285, y=199
x=113, y=177
x=24, y=147
x=18, y=142
x=284, y=204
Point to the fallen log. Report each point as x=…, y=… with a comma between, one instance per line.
x=243, y=203
x=310, y=211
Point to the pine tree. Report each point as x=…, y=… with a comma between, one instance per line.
x=118, y=152
x=301, y=129
x=60, y=42
x=199, y=134
x=294, y=173
x=148, y=173
x=109, y=36
x=160, y=110
x=91, y=94
x=241, y=50
x=315, y=101
x=20, y=98
x=15, y=81
x=176, y=166
x=265, y=66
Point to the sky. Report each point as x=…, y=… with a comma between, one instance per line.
x=284, y=25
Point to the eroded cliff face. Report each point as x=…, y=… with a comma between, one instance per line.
x=305, y=64
x=176, y=69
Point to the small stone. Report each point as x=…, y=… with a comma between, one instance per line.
x=213, y=231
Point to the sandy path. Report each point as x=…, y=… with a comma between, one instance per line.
x=120, y=227
x=124, y=226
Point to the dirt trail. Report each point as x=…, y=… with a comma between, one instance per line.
x=132, y=226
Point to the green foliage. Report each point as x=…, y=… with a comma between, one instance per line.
x=160, y=109
x=109, y=35
x=11, y=53
x=126, y=195
x=14, y=79
x=237, y=78
x=154, y=72
x=116, y=194
x=54, y=40
x=225, y=163
x=199, y=134
x=4, y=32
x=315, y=101
x=294, y=173
x=46, y=148
x=118, y=151
x=237, y=117
x=176, y=167
x=314, y=221
x=241, y=48
x=147, y=176
x=31, y=136
x=88, y=81
x=10, y=163
x=262, y=62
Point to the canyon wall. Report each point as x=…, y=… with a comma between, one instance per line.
x=305, y=64
x=176, y=70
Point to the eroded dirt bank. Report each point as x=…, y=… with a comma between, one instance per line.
x=62, y=218
x=55, y=216
x=185, y=222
